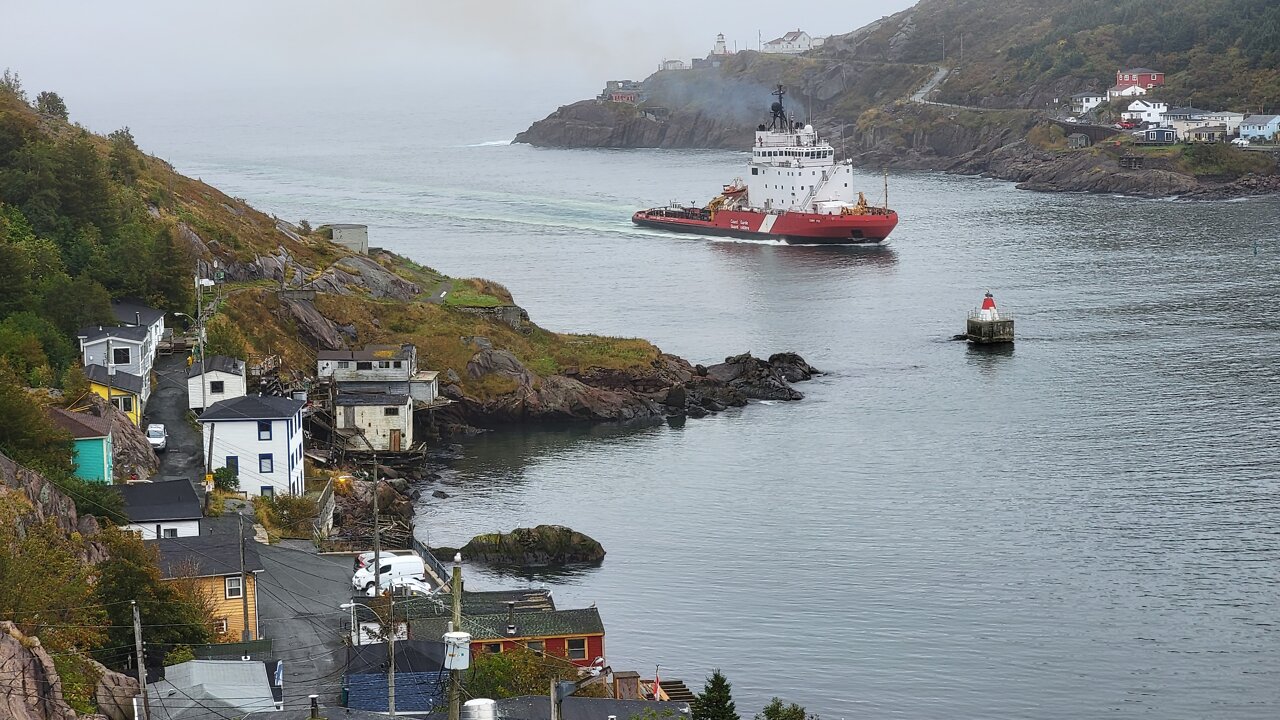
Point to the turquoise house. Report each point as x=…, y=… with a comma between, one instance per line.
x=92, y=442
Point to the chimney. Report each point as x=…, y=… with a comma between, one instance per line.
x=315, y=707
x=137, y=318
x=511, y=617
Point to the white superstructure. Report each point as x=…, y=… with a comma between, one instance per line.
x=793, y=170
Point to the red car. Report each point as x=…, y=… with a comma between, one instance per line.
x=1128, y=125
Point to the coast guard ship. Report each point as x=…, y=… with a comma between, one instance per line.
x=796, y=192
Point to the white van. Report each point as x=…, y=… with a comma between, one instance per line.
x=394, y=567
x=403, y=587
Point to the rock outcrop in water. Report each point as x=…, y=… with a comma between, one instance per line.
x=530, y=547
x=669, y=386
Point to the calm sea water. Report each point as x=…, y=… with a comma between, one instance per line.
x=1085, y=526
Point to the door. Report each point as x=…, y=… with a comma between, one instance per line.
x=395, y=441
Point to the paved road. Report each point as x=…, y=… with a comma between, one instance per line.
x=933, y=82
x=168, y=405
x=299, y=595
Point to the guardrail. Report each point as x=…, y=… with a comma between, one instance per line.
x=1000, y=315
x=437, y=567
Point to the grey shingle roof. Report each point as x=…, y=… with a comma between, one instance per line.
x=169, y=500
x=135, y=333
x=215, y=689
x=218, y=363
x=369, y=352
x=128, y=310
x=585, y=621
x=120, y=380
x=1258, y=119
x=252, y=407
x=487, y=602
x=370, y=399
x=205, y=556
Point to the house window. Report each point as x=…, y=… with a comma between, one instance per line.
x=233, y=464
x=537, y=646
x=755, y=171
x=233, y=587
x=264, y=429
x=216, y=387
x=493, y=647
x=396, y=364
x=265, y=464
x=220, y=626
x=123, y=404
x=267, y=491
x=364, y=365
x=120, y=356
x=576, y=648
x=384, y=364
x=171, y=532
x=343, y=364
x=391, y=411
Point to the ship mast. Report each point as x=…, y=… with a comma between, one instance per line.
x=778, y=121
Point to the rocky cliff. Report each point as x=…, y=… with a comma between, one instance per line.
x=47, y=501
x=33, y=690
x=594, y=124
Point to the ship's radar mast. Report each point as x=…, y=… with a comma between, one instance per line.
x=778, y=119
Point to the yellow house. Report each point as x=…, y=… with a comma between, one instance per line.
x=213, y=560
x=120, y=389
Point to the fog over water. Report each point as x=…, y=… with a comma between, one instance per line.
x=1084, y=526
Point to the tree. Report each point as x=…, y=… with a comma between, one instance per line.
x=776, y=710
x=224, y=338
x=11, y=82
x=27, y=435
x=226, y=480
x=513, y=673
x=124, y=161
x=170, y=615
x=715, y=702
x=51, y=104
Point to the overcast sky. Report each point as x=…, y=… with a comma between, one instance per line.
x=135, y=52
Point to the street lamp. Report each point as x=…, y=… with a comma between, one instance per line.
x=391, y=646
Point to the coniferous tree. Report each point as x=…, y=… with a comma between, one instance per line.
x=715, y=702
x=51, y=104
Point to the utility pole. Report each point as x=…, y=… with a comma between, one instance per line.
x=204, y=400
x=244, y=584
x=377, y=542
x=142, y=663
x=391, y=650
x=455, y=676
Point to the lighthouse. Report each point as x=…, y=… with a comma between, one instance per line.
x=987, y=325
x=720, y=48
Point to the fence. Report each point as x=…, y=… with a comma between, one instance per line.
x=433, y=563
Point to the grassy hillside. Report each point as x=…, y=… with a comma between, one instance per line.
x=1024, y=53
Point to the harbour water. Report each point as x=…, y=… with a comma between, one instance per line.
x=1084, y=526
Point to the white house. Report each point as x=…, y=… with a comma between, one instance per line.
x=1119, y=91
x=1260, y=127
x=224, y=378
x=384, y=369
x=1086, y=101
x=673, y=65
x=793, y=43
x=261, y=439
x=126, y=349
x=1145, y=111
x=375, y=421
x=133, y=312
x=1231, y=120
x=157, y=510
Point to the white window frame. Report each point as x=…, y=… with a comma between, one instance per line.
x=221, y=626
x=227, y=587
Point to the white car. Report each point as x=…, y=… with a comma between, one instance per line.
x=1242, y=142
x=394, y=567
x=158, y=437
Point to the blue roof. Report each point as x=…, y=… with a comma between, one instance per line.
x=415, y=691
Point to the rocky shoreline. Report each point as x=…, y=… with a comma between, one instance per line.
x=669, y=387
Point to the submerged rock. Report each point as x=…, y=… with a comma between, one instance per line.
x=530, y=547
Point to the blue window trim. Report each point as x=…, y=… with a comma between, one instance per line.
x=261, y=424
x=233, y=462
x=266, y=458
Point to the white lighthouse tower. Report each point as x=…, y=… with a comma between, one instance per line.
x=719, y=48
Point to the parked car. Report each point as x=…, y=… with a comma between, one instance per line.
x=366, y=558
x=158, y=437
x=404, y=587
x=393, y=568
x=1241, y=142
x=1128, y=125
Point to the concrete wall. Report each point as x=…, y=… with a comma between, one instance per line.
x=354, y=238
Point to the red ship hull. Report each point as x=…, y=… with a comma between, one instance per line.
x=793, y=227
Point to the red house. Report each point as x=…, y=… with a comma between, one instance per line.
x=624, y=96
x=1142, y=77
x=577, y=635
